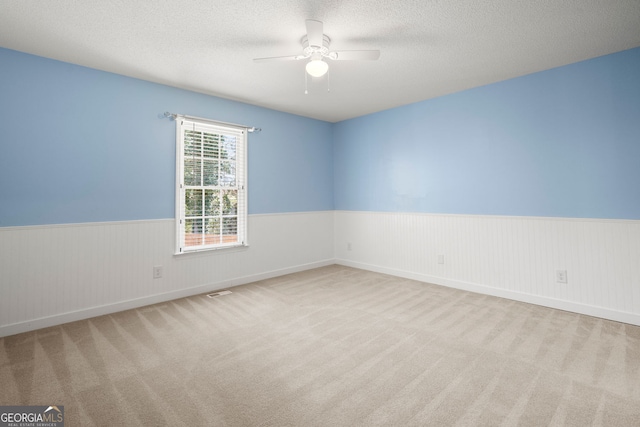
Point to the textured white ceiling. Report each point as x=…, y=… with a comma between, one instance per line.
x=428, y=47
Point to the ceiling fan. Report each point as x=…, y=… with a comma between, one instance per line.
x=315, y=48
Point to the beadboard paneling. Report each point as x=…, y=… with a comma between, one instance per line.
x=59, y=273
x=512, y=257
x=54, y=274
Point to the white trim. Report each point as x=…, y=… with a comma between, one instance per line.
x=516, y=217
x=83, y=224
x=291, y=213
x=59, y=319
x=604, y=313
x=141, y=221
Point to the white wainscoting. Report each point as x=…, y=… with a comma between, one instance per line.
x=59, y=273
x=510, y=257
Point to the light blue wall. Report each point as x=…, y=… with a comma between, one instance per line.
x=81, y=145
x=559, y=143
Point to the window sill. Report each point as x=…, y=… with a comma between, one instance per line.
x=218, y=249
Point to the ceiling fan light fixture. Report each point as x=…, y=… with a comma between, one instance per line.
x=317, y=68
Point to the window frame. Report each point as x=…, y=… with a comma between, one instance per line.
x=183, y=125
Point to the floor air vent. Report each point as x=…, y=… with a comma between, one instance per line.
x=219, y=293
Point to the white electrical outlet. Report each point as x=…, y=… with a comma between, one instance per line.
x=349, y=246
x=440, y=259
x=157, y=271
x=561, y=276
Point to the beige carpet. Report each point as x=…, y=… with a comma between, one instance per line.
x=333, y=346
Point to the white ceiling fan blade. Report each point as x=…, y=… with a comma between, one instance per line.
x=279, y=58
x=348, y=55
x=314, y=32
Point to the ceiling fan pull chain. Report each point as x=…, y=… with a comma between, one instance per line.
x=306, y=90
x=328, y=85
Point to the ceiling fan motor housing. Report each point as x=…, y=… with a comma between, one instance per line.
x=309, y=50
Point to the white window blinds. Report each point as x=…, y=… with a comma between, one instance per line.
x=211, y=194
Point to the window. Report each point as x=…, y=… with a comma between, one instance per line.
x=211, y=194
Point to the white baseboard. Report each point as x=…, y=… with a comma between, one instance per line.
x=60, y=319
x=588, y=310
